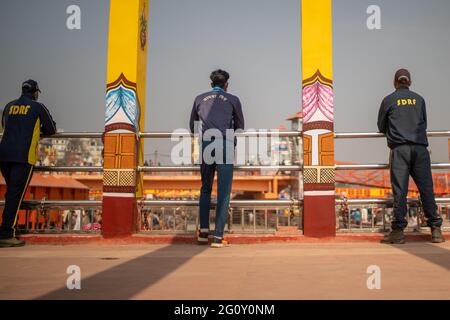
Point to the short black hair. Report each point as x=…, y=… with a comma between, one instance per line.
x=219, y=78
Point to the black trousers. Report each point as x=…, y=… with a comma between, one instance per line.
x=414, y=160
x=17, y=177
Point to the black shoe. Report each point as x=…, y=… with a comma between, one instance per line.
x=436, y=235
x=219, y=243
x=202, y=236
x=11, y=242
x=394, y=237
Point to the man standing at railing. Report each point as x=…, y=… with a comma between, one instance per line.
x=23, y=121
x=216, y=111
x=403, y=119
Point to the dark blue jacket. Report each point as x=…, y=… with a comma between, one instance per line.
x=403, y=118
x=217, y=109
x=23, y=121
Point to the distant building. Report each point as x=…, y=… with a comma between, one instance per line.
x=296, y=144
x=281, y=149
x=93, y=149
x=60, y=147
x=297, y=154
x=70, y=152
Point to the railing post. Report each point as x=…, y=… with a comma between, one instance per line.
x=124, y=116
x=318, y=119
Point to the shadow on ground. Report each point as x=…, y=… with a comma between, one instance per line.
x=129, y=278
x=432, y=252
x=126, y=280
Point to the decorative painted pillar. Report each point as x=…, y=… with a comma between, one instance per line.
x=318, y=130
x=124, y=115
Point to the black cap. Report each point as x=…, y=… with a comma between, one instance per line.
x=30, y=86
x=402, y=74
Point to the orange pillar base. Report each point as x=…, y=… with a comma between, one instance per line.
x=319, y=216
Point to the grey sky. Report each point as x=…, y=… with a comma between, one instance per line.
x=257, y=41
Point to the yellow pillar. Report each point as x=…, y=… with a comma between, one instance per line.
x=318, y=118
x=124, y=115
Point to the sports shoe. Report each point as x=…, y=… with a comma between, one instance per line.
x=436, y=235
x=11, y=242
x=202, y=236
x=219, y=243
x=394, y=237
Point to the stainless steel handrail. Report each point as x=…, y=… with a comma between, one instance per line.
x=382, y=166
x=249, y=133
x=359, y=135
x=197, y=168
x=68, y=169
x=189, y=203
x=385, y=201
x=71, y=135
x=339, y=167
x=164, y=168
x=337, y=135
x=75, y=135
x=156, y=203
x=233, y=203
x=59, y=203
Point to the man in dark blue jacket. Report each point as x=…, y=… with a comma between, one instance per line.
x=403, y=119
x=218, y=114
x=23, y=121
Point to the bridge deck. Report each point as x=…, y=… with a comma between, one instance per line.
x=325, y=270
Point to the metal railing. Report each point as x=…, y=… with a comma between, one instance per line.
x=376, y=215
x=165, y=135
x=250, y=133
x=59, y=204
x=347, y=221
x=387, y=201
x=72, y=135
x=65, y=204
x=236, y=167
x=233, y=203
x=243, y=220
x=145, y=135
x=49, y=204
x=360, y=135
x=365, y=135
x=382, y=166
x=98, y=135
x=68, y=169
x=153, y=135
x=75, y=135
x=349, y=135
x=254, y=216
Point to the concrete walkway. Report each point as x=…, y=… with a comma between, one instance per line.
x=417, y=270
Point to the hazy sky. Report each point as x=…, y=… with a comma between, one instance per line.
x=257, y=41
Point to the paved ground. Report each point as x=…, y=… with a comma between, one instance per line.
x=417, y=270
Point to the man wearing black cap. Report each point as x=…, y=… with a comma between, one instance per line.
x=403, y=119
x=23, y=121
